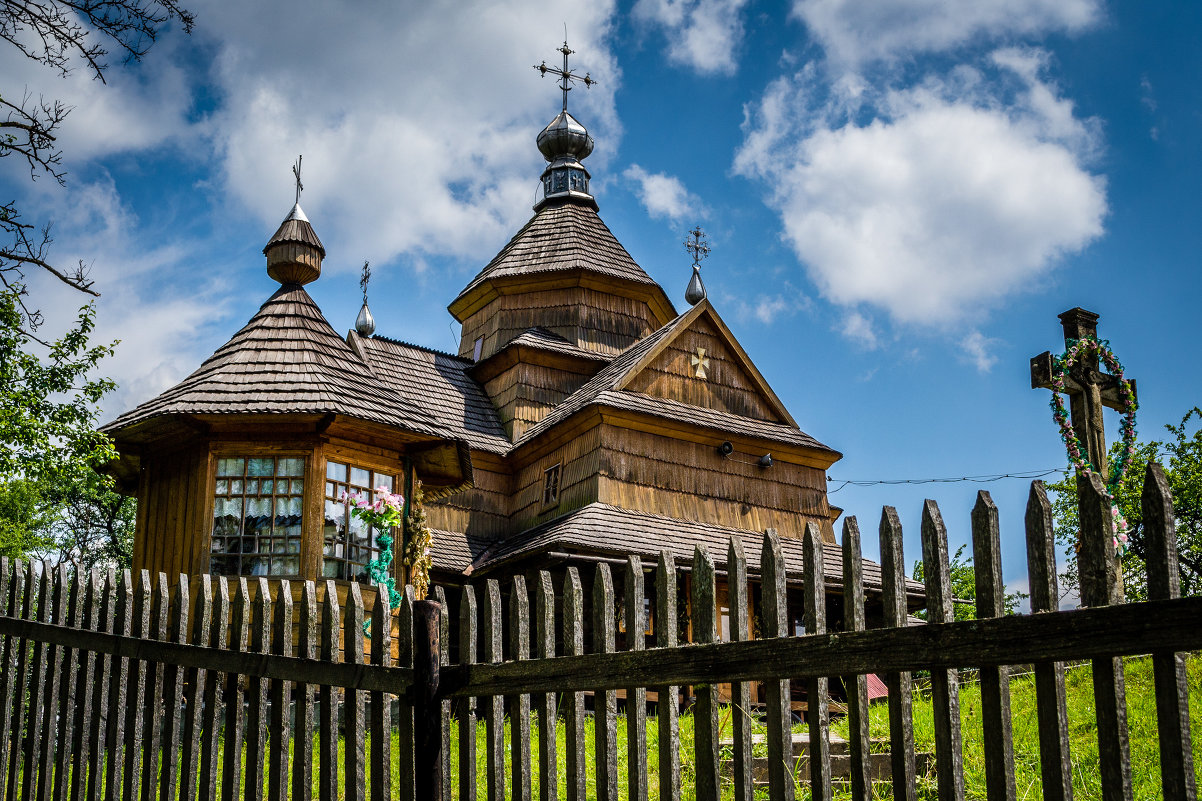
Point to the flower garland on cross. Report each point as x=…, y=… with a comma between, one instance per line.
x=1078, y=349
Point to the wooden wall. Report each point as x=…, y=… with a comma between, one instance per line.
x=689, y=480
x=174, y=512
x=727, y=386
x=596, y=321
x=526, y=393
x=579, y=459
x=482, y=510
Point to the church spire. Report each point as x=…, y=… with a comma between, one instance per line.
x=564, y=143
x=294, y=253
x=365, y=323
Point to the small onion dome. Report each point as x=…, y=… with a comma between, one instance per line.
x=365, y=324
x=565, y=138
x=294, y=254
x=696, y=291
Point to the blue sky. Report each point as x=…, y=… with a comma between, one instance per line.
x=901, y=196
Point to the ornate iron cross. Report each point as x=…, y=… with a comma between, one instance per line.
x=566, y=76
x=697, y=245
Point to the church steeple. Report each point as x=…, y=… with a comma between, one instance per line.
x=294, y=253
x=564, y=143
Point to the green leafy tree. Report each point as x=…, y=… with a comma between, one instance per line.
x=1181, y=456
x=964, y=587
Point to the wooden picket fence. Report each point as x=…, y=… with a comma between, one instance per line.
x=116, y=690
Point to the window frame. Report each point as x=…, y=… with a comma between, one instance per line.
x=552, y=480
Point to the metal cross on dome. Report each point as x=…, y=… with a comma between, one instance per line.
x=296, y=171
x=696, y=245
x=566, y=75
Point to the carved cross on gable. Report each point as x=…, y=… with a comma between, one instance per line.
x=700, y=363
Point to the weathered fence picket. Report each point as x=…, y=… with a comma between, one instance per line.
x=779, y=709
x=901, y=721
x=817, y=687
x=740, y=691
x=945, y=684
x=705, y=708
x=856, y=685
x=468, y=629
x=576, y=761
x=668, y=730
x=605, y=702
x=544, y=703
x=116, y=690
x=995, y=679
x=1168, y=668
x=494, y=705
x=519, y=704
x=636, y=697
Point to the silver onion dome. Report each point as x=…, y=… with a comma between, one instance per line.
x=696, y=290
x=565, y=137
x=365, y=324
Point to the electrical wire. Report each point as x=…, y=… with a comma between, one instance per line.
x=984, y=479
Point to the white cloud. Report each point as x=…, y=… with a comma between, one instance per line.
x=955, y=194
x=702, y=34
x=979, y=349
x=854, y=32
x=664, y=196
x=859, y=329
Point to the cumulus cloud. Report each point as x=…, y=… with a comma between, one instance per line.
x=979, y=349
x=853, y=32
x=702, y=34
x=664, y=196
x=859, y=329
x=933, y=200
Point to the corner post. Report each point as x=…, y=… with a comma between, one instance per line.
x=427, y=650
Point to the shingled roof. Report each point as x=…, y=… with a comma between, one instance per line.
x=601, y=529
x=437, y=382
x=562, y=237
x=286, y=359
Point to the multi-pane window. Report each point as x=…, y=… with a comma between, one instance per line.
x=348, y=543
x=257, y=516
x=551, y=485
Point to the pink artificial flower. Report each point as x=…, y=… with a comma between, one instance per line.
x=382, y=489
x=1123, y=537
x=342, y=496
x=361, y=502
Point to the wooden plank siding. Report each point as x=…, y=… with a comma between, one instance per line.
x=525, y=393
x=642, y=471
x=594, y=320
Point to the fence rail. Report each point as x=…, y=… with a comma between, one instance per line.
x=111, y=689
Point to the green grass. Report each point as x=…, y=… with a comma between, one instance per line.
x=1083, y=742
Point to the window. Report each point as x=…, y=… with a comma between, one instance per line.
x=551, y=485
x=348, y=544
x=477, y=349
x=257, y=516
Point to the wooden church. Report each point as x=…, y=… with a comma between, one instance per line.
x=583, y=419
